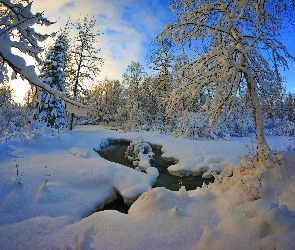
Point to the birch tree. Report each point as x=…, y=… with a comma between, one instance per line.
x=227, y=38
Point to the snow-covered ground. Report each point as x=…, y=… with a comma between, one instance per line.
x=49, y=184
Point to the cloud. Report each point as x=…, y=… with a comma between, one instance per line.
x=124, y=38
x=128, y=26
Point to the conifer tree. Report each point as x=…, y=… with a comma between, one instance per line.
x=49, y=109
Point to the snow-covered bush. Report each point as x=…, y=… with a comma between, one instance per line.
x=24, y=127
x=192, y=126
x=12, y=115
x=249, y=175
x=12, y=118
x=279, y=126
x=141, y=154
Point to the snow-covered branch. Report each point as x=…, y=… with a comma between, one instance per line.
x=227, y=38
x=16, y=31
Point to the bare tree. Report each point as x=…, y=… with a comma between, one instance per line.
x=85, y=60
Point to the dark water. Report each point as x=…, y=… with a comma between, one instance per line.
x=117, y=204
x=115, y=152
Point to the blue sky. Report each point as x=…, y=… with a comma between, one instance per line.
x=128, y=26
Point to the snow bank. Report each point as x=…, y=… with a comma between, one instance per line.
x=74, y=175
x=80, y=152
x=248, y=207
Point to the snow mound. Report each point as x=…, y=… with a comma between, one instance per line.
x=249, y=206
x=140, y=153
x=81, y=153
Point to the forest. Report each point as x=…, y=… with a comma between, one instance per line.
x=211, y=100
x=154, y=97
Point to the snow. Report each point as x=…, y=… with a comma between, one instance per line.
x=61, y=180
x=75, y=107
x=140, y=153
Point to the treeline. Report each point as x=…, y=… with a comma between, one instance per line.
x=158, y=97
x=144, y=101
x=147, y=102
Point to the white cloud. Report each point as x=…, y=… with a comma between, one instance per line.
x=128, y=27
x=121, y=42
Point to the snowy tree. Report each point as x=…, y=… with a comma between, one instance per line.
x=6, y=93
x=133, y=80
x=289, y=106
x=151, y=103
x=12, y=115
x=86, y=61
x=191, y=125
x=3, y=73
x=228, y=38
x=105, y=100
x=161, y=59
x=30, y=98
x=176, y=111
x=17, y=31
x=49, y=109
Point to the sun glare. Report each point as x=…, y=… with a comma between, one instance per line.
x=20, y=88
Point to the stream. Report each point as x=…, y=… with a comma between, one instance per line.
x=115, y=152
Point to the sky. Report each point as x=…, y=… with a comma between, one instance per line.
x=128, y=27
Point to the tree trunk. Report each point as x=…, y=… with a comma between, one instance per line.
x=71, y=121
x=72, y=115
x=262, y=147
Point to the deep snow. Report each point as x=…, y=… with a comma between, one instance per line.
x=61, y=179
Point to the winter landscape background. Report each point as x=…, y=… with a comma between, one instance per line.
x=204, y=81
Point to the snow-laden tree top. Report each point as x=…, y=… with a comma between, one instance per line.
x=16, y=31
x=233, y=44
x=228, y=38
